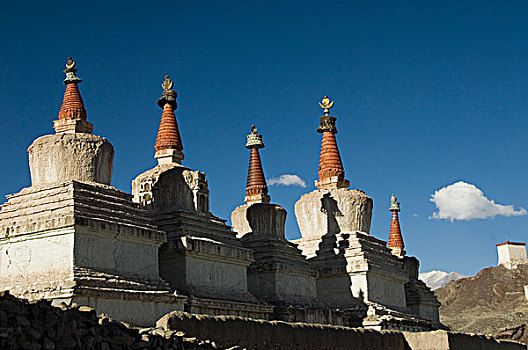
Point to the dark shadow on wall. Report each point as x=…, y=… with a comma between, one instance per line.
x=334, y=286
x=331, y=209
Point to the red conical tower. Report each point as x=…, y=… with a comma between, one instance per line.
x=395, y=236
x=168, y=143
x=72, y=114
x=256, y=187
x=331, y=171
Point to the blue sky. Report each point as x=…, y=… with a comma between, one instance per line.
x=427, y=93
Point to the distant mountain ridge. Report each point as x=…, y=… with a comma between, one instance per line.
x=437, y=279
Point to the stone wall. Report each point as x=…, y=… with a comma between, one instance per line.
x=265, y=335
x=259, y=334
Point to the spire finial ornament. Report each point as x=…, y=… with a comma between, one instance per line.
x=394, y=205
x=254, y=140
x=70, y=71
x=327, y=122
x=326, y=105
x=169, y=95
x=167, y=83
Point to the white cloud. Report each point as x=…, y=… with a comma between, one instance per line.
x=287, y=180
x=463, y=201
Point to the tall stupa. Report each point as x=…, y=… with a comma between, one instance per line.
x=70, y=235
x=333, y=207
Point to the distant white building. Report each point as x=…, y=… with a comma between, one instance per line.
x=512, y=254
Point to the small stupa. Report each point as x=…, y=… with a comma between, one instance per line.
x=279, y=274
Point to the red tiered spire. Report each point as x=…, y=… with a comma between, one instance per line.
x=330, y=160
x=395, y=236
x=331, y=171
x=168, y=133
x=168, y=142
x=72, y=114
x=72, y=104
x=256, y=187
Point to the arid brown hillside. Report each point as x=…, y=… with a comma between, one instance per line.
x=487, y=303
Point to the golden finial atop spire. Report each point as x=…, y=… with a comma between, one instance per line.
x=167, y=83
x=326, y=104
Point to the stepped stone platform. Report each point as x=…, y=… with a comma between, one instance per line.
x=279, y=274
x=73, y=240
x=202, y=257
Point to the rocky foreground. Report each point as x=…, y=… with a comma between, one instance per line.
x=487, y=303
x=42, y=326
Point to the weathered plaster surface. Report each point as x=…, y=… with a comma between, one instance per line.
x=171, y=187
x=137, y=312
x=260, y=219
x=42, y=258
x=206, y=268
x=204, y=273
x=276, y=285
x=101, y=250
x=65, y=157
